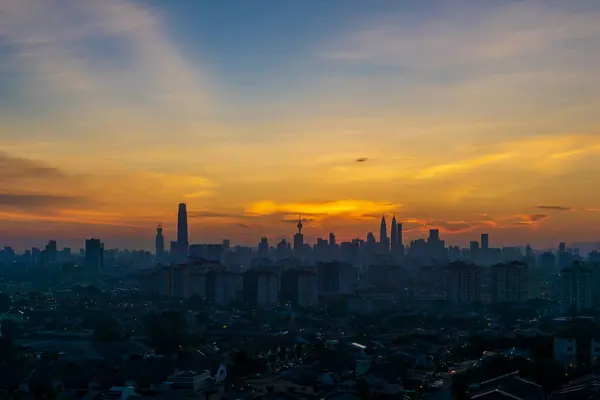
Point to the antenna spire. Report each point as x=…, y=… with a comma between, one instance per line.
x=299, y=224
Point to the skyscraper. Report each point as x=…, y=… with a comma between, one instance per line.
x=485, y=241
x=299, y=238
x=400, y=239
x=383, y=237
x=182, y=229
x=384, y=241
x=263, y=247
x=94, y=258
x=394, y=235
x=509, y=282
x=332, y=239
x=575, y=288
x=160, y=243
x=463, y=283
x=434, y=235
x=50, y=255
x=474, y=248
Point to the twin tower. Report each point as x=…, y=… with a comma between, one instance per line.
x=394, y=241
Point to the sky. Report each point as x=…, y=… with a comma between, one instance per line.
x=466, y=116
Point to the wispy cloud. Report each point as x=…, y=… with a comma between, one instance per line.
x=444, y=169
x=576, y=152
x=533, y=219
x=555, y=208
x=34, y=200
x=351, y=208
x=18, y=169
x=522, y=30
x=109, y=56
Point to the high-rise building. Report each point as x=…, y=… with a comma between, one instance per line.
x=261, y=287
x=371, y=238
x=383, y=237
x=485, y=241
x=394, y=236
x=300, y=287
x=222, y=286
x=509, y=282
x=263, y=247
x=159, y=243
x=434, y=235
x=576, y=284
x=299, y=238
x=36, y=256
x=332, y=239
x=474, y=248
x=183, y=242
x=337, y=278
x=463, y=283
x=435, y=246
x=400, y=239
x=94, y=258
x=50, y=255
x=384, y=241
x=547, y=262
x=283, y=250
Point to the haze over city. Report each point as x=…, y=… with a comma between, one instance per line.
x=467, y=117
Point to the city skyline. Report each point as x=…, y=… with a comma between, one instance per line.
x=255, y=113
x=391, y=241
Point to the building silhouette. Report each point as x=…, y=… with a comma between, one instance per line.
x=299, y=238
x=182, y=228
x=575, y=288
x=94, y=258
x=384, y=241
x=261, y=287
x=159, y=243
x=509, y=282
x=300, y=287
x=181, y=247
x=463, y=283
x=394, y=236
x=50, y=254
x=263, y=247
x=400, y=238
x=474, y=249
x=485, y=241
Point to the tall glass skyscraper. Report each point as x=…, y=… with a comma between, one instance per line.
x=183, y=243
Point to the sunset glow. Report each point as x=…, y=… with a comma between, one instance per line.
x=112, y=112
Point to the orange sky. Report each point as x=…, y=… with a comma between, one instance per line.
x=469, y=128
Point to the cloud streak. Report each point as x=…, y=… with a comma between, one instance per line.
x=350, y=208
x=555, y=208
x=465, y=165
x=111, y=55
x=32, y=200
x=18, y=169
